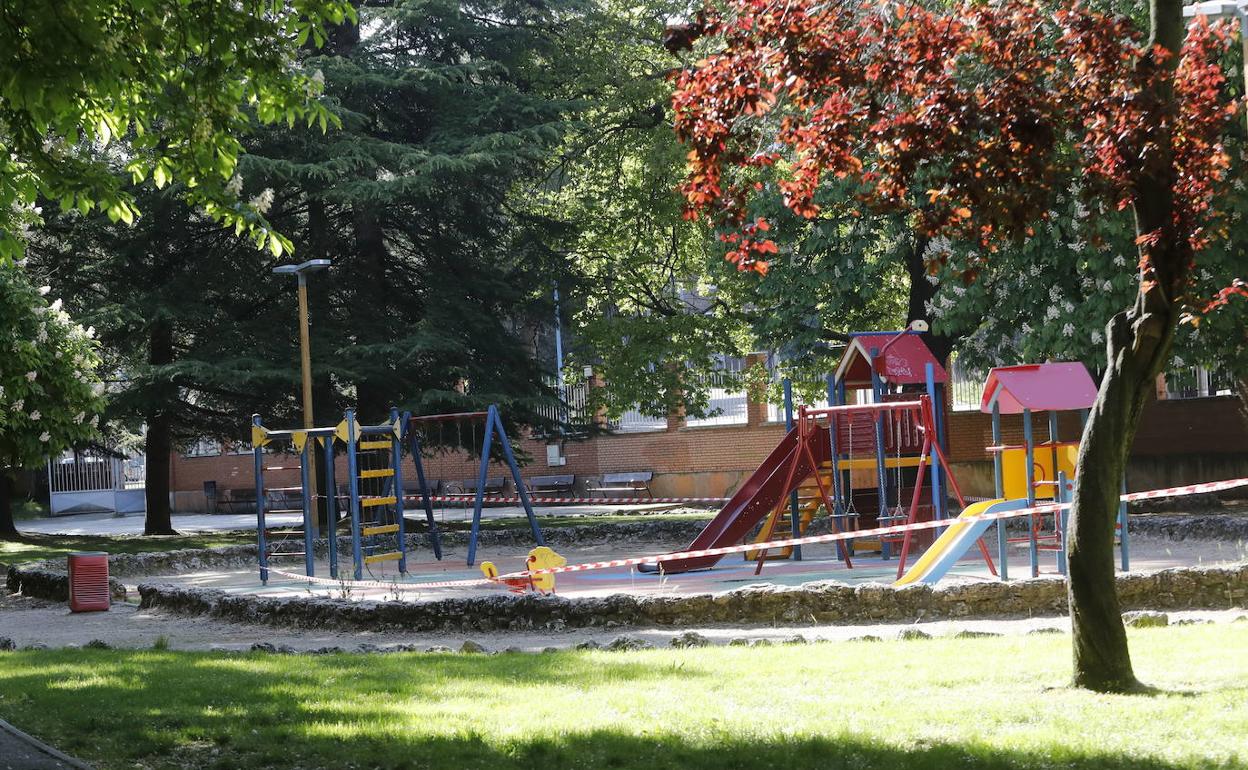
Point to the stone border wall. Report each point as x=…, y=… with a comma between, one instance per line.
x=42, y=583
x=821, y=602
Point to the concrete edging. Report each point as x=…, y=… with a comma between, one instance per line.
x=14, y=734
x=819, y=602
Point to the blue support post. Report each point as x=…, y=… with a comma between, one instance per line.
x=357, y=551
x=396, y=458
x=1124, y=536
x=937, y=474
x=510, y=456
x=795, y=525
x=1003, y=545
x=479, y=501
x=426, y=501
x=331, y=506
x=309, y=505
x=834, y=444
x=881, y=473
x=1063, y=516
x=261, y=545
x=1028, y=440
x=1053, y=431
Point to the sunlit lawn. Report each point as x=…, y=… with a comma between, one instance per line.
x=980, y=703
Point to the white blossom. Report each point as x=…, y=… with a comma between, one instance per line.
x=56, y=306
x=31, y=376
x=78, y=418
x=95, y=421
x=1120, y=261
x=1096, y=336
x=43, y=290
x=1052, y=313
x=263, y=201
x=45, y=437
x=97, y=389
x=1068, y=306
x=35, y=416
x=1107, y=286
x=19, y=404
x=1068, y=330
x=234, y=186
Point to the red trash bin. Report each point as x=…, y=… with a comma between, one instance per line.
x=88, y=582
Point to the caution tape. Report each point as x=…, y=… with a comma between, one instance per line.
x=469, y=497
x=1153, y=494
x=1213, y=486
x=379, y=583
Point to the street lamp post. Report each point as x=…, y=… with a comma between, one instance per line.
x=301, y=272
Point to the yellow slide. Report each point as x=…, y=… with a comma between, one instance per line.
x=950, y=546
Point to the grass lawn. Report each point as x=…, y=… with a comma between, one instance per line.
x=979, y=703
x=35, y=547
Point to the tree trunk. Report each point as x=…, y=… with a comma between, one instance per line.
x=1138, y=348
x=920, y=293
x=159, y=441
x=1102, y=660
x=1241, y=389
x=8, y=530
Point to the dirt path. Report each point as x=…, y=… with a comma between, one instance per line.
x=32, y=622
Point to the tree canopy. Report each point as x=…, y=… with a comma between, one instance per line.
x=161, y=88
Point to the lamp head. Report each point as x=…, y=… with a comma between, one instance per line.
x=918, y=325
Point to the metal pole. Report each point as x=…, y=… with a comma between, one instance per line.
x=305, y=359
x=881, y=473
x=1003, y=545
x=1033, y=546
x=261, y=546
x=558, y=345
x=795, y=525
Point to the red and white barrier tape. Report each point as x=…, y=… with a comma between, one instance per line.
x=1153, y=494
x=468, y=498
x=380, y=583
x=1213, y=486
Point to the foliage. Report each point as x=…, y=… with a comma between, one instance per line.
x=177, y=82
x=1005, y=708
x=50, y=390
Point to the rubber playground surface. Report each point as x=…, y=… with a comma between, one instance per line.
x=819, y=563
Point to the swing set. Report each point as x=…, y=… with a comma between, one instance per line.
x=374, y=494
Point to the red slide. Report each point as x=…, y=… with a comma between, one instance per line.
x=756, y=498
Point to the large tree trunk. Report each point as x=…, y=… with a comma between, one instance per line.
x=159, y=441
x=7, y=528
x=920, y=293
x=1102, y=661
x=1138, y=348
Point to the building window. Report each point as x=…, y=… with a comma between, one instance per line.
x=1198, y=382
x=204, y=448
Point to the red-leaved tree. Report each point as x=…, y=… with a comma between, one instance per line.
x=965, y=116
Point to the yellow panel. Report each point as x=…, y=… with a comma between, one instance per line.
x=340, y=431
x=374, y=501
x=375, y=445
x=868, y=463
x=299, y=438
x=397, y=429
x=259, y=437
x=393, y=556
x=1014, y=469
x=379, y=473
x=384, y=529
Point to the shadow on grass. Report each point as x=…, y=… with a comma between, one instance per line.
x=28, y=547
x=165, y=709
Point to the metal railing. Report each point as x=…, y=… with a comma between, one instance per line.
x=966, y=386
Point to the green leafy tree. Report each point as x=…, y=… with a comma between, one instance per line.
x=50, y=392
x=191, y=338
x=179, y=82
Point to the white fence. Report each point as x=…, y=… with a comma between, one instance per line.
x=96, y=482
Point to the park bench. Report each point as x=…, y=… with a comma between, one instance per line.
x=630, y=482
x=493, y=486
x=552, y=484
